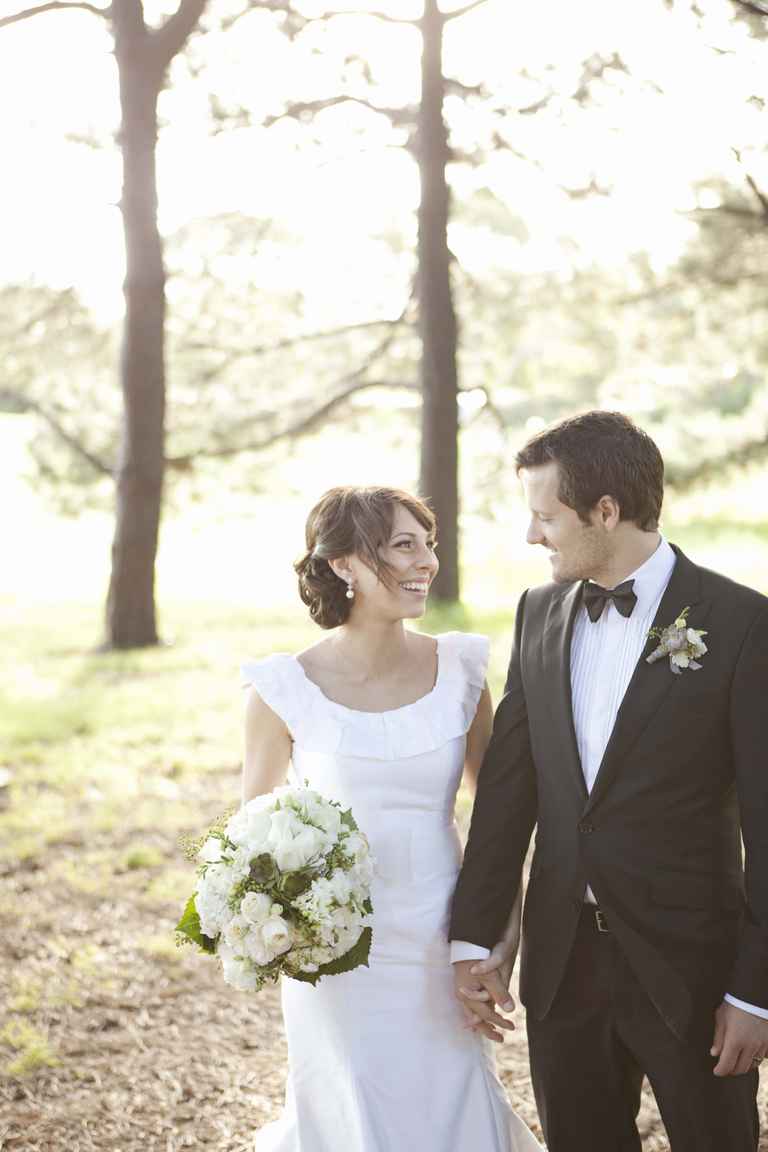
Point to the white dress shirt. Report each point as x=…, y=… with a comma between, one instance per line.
x=604, y=654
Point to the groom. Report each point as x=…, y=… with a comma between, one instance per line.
x=645, y=937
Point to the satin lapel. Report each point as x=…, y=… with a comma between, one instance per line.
x=651, y=684
x=556, y=662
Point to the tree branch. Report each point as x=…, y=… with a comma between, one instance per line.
x=233, y=355
x=170, y=38
x=300, y=427
x=375, y=13
x=306, y=109
x=27, y=405
x=459, y=12
x=751, y=6
x=760, y=196
x=753, y=452
x=55, y=6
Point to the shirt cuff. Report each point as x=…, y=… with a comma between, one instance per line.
x=463, y=950
x=751, y=1008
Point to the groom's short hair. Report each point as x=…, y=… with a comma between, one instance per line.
x=602, y=454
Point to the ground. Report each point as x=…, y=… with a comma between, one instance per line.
x=112, y=1039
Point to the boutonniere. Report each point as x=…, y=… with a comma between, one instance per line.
x=682, y=644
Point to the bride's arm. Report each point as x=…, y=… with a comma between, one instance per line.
x=267, y=748
x=478, y=738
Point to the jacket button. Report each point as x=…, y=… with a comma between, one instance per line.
x=586, y=828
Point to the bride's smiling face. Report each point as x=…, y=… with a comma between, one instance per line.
x=409, y=554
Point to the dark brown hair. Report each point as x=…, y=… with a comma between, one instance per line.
x=602, y=454
x=349, y=521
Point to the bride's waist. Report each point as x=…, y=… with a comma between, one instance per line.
x=377, y=817
x=406, y=851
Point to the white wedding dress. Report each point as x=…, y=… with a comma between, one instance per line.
x=378, y=1060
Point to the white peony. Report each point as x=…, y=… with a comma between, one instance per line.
x=250, y=826
x=326, y=816
x=292, y=843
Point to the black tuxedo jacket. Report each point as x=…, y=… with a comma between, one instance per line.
x=659, y=838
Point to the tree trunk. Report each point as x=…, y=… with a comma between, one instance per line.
x=439, y=481
x=130, y=613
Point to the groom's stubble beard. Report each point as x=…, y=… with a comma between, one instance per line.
x=588, y=557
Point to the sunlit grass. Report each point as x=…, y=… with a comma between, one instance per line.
x=32, y=1048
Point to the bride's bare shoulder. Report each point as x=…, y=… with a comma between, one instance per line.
x=317, y=656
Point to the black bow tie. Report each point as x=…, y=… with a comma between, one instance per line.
x=596, y=598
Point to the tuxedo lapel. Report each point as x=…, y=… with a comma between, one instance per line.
x=651, y=684
x=556, y=662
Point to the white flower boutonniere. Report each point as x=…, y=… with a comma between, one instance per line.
x=682, y=644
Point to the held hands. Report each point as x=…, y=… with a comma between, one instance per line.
x=740, y=1041
x=482, y=987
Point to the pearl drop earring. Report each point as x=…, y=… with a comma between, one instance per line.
x=350, y=593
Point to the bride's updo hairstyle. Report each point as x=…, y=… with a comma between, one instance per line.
x=349, y=521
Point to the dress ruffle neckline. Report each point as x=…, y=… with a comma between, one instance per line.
x=443, y=714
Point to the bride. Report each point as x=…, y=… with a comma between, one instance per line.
x=384, y=720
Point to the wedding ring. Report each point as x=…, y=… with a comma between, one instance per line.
x=757, y=1061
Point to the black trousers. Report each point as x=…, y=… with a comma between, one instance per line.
x=601, y=1036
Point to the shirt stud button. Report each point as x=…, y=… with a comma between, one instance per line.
x=586, y=828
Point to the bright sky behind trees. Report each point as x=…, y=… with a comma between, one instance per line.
x=650, y=137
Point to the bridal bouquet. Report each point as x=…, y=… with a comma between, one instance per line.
x=283, y=888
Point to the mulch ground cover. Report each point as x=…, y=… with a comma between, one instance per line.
x=114, y=1040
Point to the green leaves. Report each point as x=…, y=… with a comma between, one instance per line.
x=295, y=884
x=356, y=957
x=188, y=928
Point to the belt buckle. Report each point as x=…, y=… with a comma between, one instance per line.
x=600, y=920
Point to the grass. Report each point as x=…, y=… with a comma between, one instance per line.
x=31, y=1046
x=113, y=756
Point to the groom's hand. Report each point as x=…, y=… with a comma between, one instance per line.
x=495, y=973
x=478, y=1002
x=741, y=1040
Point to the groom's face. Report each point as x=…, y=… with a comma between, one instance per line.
x=577, y=551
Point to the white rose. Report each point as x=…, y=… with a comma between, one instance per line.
x=276, y=934
x=256, y=907
x=236, y=930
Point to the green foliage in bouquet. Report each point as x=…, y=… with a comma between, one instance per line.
x=191, y=845
x=357, y=957
x=188, y=929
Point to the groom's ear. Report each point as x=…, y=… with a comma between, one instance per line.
x=607, y=513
